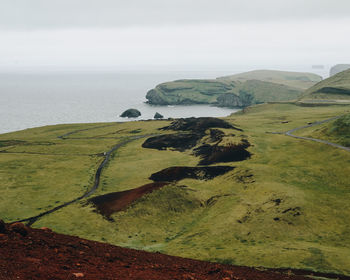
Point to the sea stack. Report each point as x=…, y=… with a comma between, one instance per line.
x=131, y=113
x=158, y=116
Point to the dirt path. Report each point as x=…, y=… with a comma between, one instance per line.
x=289, y=133
x=65, y=136
x=31, y=220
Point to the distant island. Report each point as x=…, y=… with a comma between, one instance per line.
x=338, y=68
x=234, y=91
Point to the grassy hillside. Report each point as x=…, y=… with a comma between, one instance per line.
x=240, y=90
x=286, y=206
x=337, y=131
x=189, y=92
x=264, y=91
x=296, y=80
x=335, y=88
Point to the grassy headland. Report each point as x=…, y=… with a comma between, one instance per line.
x=333, y=89
x=234, y=91
x=285, y=206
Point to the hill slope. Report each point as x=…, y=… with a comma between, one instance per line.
x=238, y=190
x=334, y=88
x=297, y=80
x=32, y=254
x=239, y=90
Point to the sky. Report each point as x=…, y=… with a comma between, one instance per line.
x=167, y=33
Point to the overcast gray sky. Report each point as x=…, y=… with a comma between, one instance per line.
x=115, y=33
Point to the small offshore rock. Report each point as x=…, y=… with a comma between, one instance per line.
x=158, y=116
x=19, y=228
x=131, y=113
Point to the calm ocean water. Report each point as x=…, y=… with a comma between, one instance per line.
x=34, y=99
x=37, y=99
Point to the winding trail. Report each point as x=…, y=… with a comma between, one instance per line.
x=289, y=133
x=65, y=136
x=31, y=220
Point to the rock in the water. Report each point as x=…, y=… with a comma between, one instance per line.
x=131, y=113
x=158, y=116
x=339, y=68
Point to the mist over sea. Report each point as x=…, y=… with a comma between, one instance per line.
x=37, y=98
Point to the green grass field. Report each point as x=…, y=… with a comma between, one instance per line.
x=286, y=206
x=297, y=80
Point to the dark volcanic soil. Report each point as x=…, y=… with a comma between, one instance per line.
x=198, y=124
x=177, y=173
x=178, y=141
x=110, y=203
x=214, y=154
x=34, y=254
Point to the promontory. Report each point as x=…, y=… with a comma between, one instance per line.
x=239, y=90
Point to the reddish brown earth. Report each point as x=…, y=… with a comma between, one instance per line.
x=27, y=253
x=110, y=203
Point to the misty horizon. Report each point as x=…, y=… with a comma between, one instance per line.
x=161, y=34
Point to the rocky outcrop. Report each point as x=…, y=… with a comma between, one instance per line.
x=177, y=173
x=131, y=113
x=229, y=100
x=158, y=116
x=339, y=68
x=154, y=98
x=178, y=141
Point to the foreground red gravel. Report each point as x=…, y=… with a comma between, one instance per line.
x=27, y=253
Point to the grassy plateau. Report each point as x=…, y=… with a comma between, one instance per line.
x=239, y=90
x=286, y=206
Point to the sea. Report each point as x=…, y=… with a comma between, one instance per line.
x=32, y=98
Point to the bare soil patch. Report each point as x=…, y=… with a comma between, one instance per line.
x=198, y=124
x=110, y=203
x=230, y=153
x=178, y=141
x=43, y=254
x=177, y=173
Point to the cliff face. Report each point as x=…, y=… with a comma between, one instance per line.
x=232, y=92
x=154, y=97
x=232, y=100
x=339, y=68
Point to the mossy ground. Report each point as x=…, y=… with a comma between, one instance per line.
x=286, y=206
